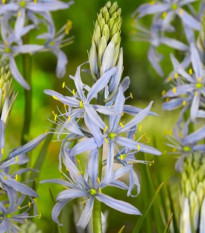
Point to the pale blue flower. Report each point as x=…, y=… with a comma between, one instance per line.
x=172, y=8
x=89, y=188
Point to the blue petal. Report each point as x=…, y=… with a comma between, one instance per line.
x=121, y=206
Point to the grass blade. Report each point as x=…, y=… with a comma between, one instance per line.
x=166, y=230
x=138, y=226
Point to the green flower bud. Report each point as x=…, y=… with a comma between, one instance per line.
x=193, y=191
x=29, y=227
x=7, y=94
x=107, y=29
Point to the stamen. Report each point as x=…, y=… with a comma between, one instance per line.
x=184, y=103
x=196, y=93
x=138, y=147
x=169, y=79
x=121, y=124
x=106, y=140
x=63, y=85
x=98, y=180
x=73, y=92
x=175, y=75
x=2, y=150
x=68, y=27
x=152, y=3
x=174, y=150
x=81, y=104
x=100, y=190
x=105, y=129
x=181, y=12
x=190, y=71
x=163, y=92
x=164, y=14
x=131, y=95
x=151, y=163
x=140, y=128
x=16, y=177
x=55, y=116
x=35, y=1
x=54, y=97
x=174, y=90
x=5, y=177
x=39, y=216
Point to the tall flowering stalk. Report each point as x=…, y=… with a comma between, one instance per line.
x=187, y=81
x=94, y=119
x=16, y=198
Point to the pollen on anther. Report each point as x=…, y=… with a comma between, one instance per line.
x=63, y=85
x=175, y=75
x=190, y=71
x=169, y=79
x=138, y=147
x=121, y=124
x=2, y=151
x=163, y=92
x=105, y=129
x=174, y=90
x=16, y=177
x=54, y=97
x=184, y=103
x=106, y=140
x=131, y=95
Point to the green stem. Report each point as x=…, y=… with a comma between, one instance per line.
x=27, y=66
x=97, y=222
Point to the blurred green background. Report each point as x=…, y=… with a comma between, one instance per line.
x=146, y=85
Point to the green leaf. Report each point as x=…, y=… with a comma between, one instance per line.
x=138, y=226
x=175, y=223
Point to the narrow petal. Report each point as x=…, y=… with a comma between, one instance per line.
x=138, y=118
x=86, y=214
x=195, y=107
x=101, y=83
x=188, y=19
x=57, y=209
x=121, y=206
x=28, y=146
x=70, y=194
x=179, y=90
x=194, y=137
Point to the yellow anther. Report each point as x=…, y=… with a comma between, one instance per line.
x=100, y=190
x=174, y=90
x=150, y=163
x=2, y=150
x=163, y=92
x=55, y=98
x=80, y=173
x=184, y=103
x=164, y=14
x=122, y=156
x=17, y=159
x=63, y=85
x=131, y=95
x=199, y=79
x=167, y=99
x=19, y=13
x=39, y=216
x=35, y=1
x=134, y=136
x=29, y=204
x=123, y=114
x=106, y=140
x=121, y=229
x=140, y=128
x=105, y=129
x=73, y=92
x=69, y=118
x=169, y=79
x=5, y=177
x=78, y=161
x=98, y=180
x=55, y=116
x=121, y=124
x=19, y=207
x=196, y=93
x=68, y=27
x=138, y=147
x=16, y=177
x=152, y=3
x=3, y=1
x=174, y=150
x=148, y=140
x=175, y=75
x=181, y=12
x=81, y=104
x=190, y=71
x=34, y=200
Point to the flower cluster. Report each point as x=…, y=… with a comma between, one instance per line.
x=163, y=29
x=18, y=18
x=14, y=194
x=95, y=119
x=187, y=82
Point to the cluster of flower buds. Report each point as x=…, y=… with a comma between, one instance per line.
x=193, y=194
x=14, y=194
x=100, y=127
x=18, y=18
